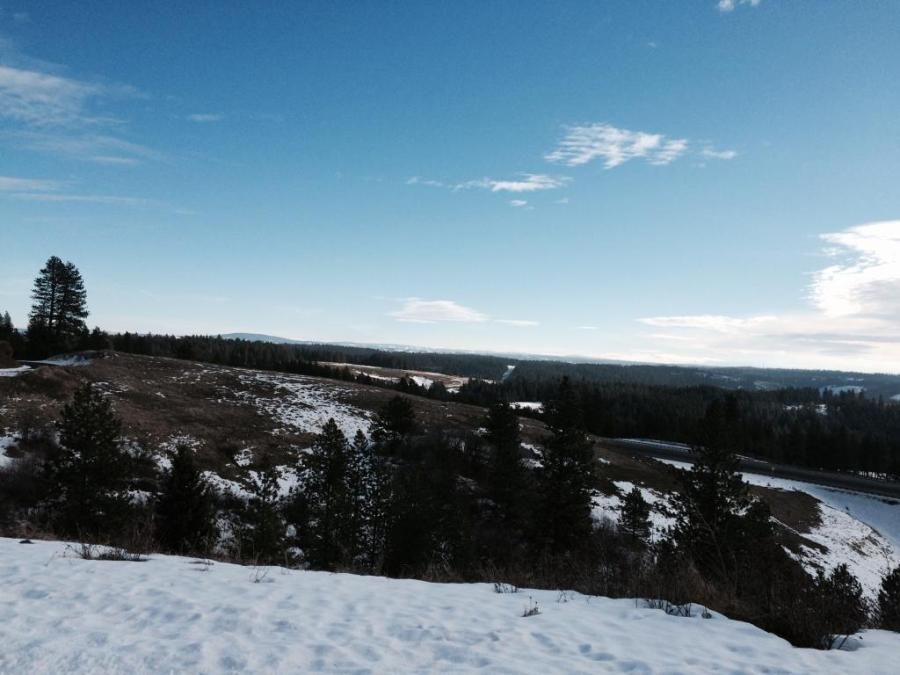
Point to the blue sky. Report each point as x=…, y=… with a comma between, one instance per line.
x=703, y=182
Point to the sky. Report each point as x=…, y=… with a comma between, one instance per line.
x=704, y=181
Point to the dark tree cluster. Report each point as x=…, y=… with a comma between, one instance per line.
x=807, y=427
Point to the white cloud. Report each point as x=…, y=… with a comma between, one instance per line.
x=585, y=143
x=711, y=153
x=867, y=282
x=729, y=5
x=852, y=322
x=713, y=322
x=529, y=182
x=206, y=117
x=517, y=322
x=526, y=182
x=14, y=184
x=518, y=203
x=417, y=310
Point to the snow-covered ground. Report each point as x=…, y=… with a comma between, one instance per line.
x=860, y=530
x=528, y=405
x=609, y=507
x=305, y=404
x=12, y=372
x=61, y=614
x=6, y=442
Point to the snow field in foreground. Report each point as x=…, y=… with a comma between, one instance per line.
x=61, y=614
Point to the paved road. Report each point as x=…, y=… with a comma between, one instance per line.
x=663, y=450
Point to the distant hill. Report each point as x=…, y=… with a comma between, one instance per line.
x=259, y=337
x=491, y=365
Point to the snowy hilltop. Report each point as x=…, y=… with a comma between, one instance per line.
x=64, y=614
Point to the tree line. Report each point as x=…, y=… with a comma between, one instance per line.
x=405, y=503
x=811, y=427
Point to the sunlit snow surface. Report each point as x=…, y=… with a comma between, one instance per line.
x=304, y=404
x=61, y=614
x=858, y=529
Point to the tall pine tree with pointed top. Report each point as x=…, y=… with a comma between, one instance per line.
x=89, y=472
x=58, y=310
x=185, y=509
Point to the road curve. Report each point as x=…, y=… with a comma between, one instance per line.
x=681, y=452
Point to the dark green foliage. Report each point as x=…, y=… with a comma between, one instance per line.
x=368, y=492
x=88, y=473
x=839, y=606
x=563, y=520
x=6, y=327
x=185, y=508
x=635, y=517
x=59, y=308
x=889, y=601
x=328, y=500
x=395, y=422
x=430, y=513
x=507, y=479
x=264, y=530
x=711, y=499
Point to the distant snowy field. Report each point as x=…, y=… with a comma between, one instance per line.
x=61, y=614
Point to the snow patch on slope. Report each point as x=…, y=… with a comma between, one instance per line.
x=304, y=404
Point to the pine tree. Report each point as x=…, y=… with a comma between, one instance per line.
x=840, y=605
x=59, y=307
x=566, y=477
x=712, y=497
x=367, y=492
x=185, y=508
x=88, y=473
x=394, y=423
x=327, y=498
x=264, y=530
x=507, y=479
x=889, y=601
x=635, y=517
x=6, y=327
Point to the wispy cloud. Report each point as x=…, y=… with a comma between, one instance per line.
x=417, y=310
x=206, y=117
x=526, y=182
x=80, y=198
x=15, y=184
x=730, y=5
x=712, y=153
x=614, y=146
x=46, y=110
x=41, y=99
x=91, y=147
x=518, y=203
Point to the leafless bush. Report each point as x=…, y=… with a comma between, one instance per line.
x=531, y=609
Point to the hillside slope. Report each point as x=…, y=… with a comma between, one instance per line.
x=235, y=418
